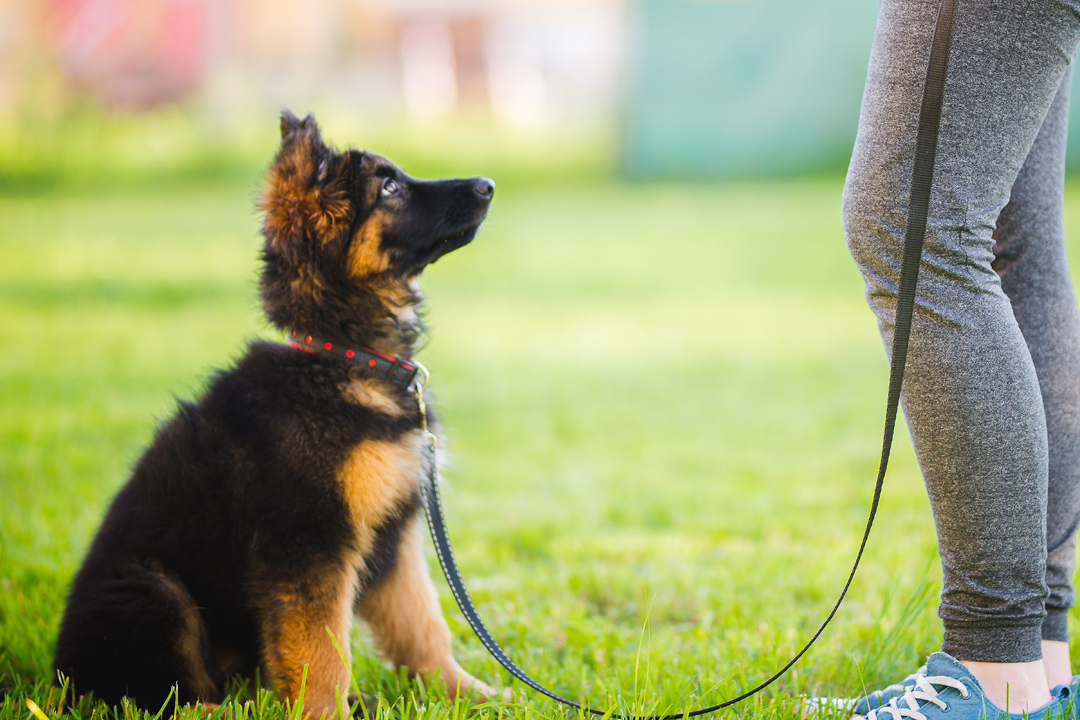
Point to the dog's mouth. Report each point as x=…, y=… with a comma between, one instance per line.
x=449, y=243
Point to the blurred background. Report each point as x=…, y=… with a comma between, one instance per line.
x=643, y=88
x=655, y=366
x=647, y=88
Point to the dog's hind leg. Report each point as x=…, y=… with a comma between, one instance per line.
x=407, y=623
x=305, y=622
x=136, y=633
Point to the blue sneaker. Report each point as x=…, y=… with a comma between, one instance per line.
x=882, y=697
x=1069, y=697
x=826, y=707
x=948, y=691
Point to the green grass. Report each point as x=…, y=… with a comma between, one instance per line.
x=89, y=151
x=664, y=407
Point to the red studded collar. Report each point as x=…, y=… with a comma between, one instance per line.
x=402, y=372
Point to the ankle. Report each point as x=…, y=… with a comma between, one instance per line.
x=1014, y=687
x=1056, y=663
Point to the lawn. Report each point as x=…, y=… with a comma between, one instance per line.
x=663, y=403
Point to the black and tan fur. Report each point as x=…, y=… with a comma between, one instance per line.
x=285, y=501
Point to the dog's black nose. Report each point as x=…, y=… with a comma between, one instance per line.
x=484, y=188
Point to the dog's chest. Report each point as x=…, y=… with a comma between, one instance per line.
x=378, y=479
x=373, y=395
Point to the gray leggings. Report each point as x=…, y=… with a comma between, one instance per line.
x=992, y=392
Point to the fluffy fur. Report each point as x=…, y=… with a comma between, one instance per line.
x=285, y=501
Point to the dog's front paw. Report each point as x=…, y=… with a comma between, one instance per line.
x=482, y=692
x=505, y=695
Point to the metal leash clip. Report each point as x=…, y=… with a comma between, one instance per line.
x=418, y=390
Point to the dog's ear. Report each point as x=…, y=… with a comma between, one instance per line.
x=293, y=128
x=289, y=123
x=302, y=148
x=303, y=199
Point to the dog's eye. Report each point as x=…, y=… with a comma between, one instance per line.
x=389, y=187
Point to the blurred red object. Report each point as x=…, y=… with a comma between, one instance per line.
x=131, y=53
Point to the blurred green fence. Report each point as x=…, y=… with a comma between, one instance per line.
x=731, y=88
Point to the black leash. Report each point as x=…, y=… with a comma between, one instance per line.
x=921, y=181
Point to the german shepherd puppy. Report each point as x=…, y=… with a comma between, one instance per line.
x=286, y=500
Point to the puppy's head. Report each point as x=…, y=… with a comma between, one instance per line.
x=350, y=229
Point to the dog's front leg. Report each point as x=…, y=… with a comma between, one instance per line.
x=298, y=618
x=407, y=624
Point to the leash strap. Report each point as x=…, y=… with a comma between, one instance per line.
x=921, y=181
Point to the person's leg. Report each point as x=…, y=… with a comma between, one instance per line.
x=1031, y=261
x=971, y=394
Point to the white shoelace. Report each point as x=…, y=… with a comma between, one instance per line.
x=893, y=688
x=908, y=704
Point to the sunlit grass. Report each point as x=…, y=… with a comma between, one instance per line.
x=93, y=152
x=663, y=404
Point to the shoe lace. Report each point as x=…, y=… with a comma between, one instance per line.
x=900, y=687
x=923, y=691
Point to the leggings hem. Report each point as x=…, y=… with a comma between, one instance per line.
x=993, y=643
